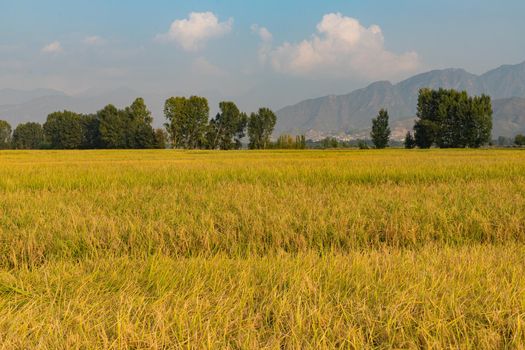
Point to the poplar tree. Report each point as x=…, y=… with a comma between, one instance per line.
x=380, y=130
x=187, y=121
x=5, y=134
x=260, y=128
x=227, y=128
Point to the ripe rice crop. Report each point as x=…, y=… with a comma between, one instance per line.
x=262, y=249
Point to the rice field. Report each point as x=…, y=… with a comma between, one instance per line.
x=349, y=249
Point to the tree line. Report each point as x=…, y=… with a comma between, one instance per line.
x=188, y=126
x=445, y=119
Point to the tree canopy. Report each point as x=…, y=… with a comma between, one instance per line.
x=108, y=128
x=260, y=128
x=380, y=130
x=449, y=118
x=409, y=142
x=227, y=128
x=187, y=121
x=28, y=136
x=519, y=140
x=64, y=130
x=188, y=126
x=5, y=134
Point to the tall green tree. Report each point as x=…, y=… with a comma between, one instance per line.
x=5, y=134
x=450, y=118
x=64, y=130
x=427, y=127
x=380, y=130
x=187, y=121
x=260, y=128
x=227, y=128
x=161, y=139
x=479, y=124
x=139, y=132
x=90, y=127
x=28, y=136
x=112, y=127
x=409, y=142
x=519, y=140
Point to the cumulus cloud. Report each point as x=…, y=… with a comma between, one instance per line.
x=263, y=33
x=266, y=38
x=342, y=47
x=53, y=48
x=192, y=33
x=94, y=40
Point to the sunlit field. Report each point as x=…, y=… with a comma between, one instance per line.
x=272, y=249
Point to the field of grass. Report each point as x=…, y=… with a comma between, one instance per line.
x=278, y=249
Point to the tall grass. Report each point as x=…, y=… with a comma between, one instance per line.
x=437, y=297
x=281, y=249
x=77, y=205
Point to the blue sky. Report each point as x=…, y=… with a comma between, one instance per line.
x=277, y=51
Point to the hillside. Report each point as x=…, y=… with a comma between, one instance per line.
x=351, y=113
x=343, y=116
x=18, y=106
x=509, y=116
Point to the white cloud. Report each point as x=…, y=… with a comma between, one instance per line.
x=342, y=47
x=192, y=33
x=266, y=41
x=53, y=48
x=94, y=40
x=264, y=33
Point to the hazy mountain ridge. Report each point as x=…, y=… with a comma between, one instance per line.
x=509, y=116
x=37, y=109
x=35, y=105
x=344, y=116
x=13, y=96
x=350, y=114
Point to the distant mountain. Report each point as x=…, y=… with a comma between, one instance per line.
x=343, y=116
x=351, y=114
x=37, y=106
x=12, y=96
x=23, y=106
x=509, y=116
x=506, y=81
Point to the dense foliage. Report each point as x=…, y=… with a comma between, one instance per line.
x=452, y=119
x=187, y=121
x=380, y=130
x=108, y=128
x=28, y=136
x=188, y=127
x=5, y=134
x=260, y=128
x=519, y=140
x=227, y=129
x=446, y=119
x=409, y=142
x=64, y=130
x=127, y=128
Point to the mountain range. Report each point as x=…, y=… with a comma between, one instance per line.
x=17, y=106
x=350, y=115
x=343, y=116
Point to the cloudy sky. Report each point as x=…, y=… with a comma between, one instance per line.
x=259, y=51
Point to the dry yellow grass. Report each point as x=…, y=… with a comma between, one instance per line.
x=436, y=297
x=293, y=249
